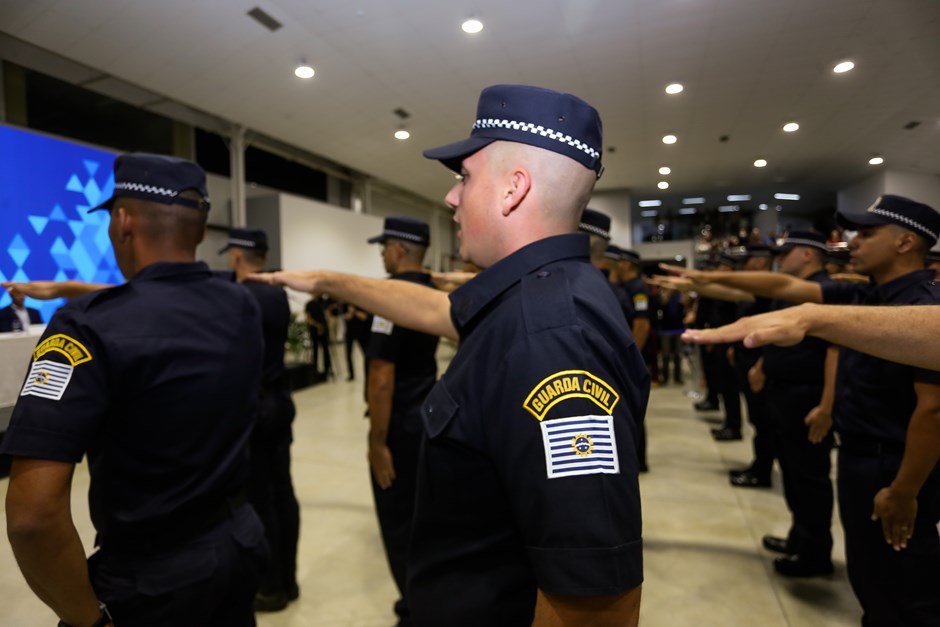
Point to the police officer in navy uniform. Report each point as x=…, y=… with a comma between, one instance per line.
x=402, y=371
x=271, y=488
x=528, y=508
x=604, y=256
x=882, y=411
x=156, y=382
x=719, y=372
x=799, y=413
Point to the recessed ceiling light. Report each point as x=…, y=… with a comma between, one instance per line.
x=728, y=208
x=787, y=197
x=845, y=66
x=687, y=211
x=674, y=88
x=664, y=170
x=650, y=203
x=669, y=139
x=762, y=207
x=304, y=71
x=662, y=185
x=790, y=127
x=402, y=134
x=650, y=213
x=760, y=163
x=876, y=160
x=472, y=26
x=693, y=201
x=739, y=197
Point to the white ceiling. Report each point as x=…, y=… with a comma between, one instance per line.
x=748, y=66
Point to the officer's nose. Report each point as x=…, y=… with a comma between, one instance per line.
x=452, y=199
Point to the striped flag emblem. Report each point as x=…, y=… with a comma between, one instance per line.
x=47, y=379
x=582, y=445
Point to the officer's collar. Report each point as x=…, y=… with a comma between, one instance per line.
x=163, y=269
x=888, y=291
x=468, y=300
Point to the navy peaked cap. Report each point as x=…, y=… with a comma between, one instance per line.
x=595, y=223
x=630, y=255
x=252, y=239
x=530, y=115
x=157, y=178
x=406, y=229
x=898, y=210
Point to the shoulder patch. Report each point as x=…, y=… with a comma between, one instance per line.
x=570, y=384
x=581, y=445
x=641, y=302
x=382, y=325
x=47, y=379
x=73, y=350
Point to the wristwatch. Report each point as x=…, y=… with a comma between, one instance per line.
x=104, y=617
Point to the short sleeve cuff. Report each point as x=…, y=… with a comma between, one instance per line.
x=22, y=441
x=588, y=572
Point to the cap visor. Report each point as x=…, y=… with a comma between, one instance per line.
x=452, y=155
x=105, y=205
x=224, y=248
x=376, y=239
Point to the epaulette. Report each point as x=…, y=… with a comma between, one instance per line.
x=547, y=302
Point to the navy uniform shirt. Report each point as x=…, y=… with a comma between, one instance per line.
x=528, y=470
x=413, y=354
x=156, y=380
x=623, y=298
x=639, y=296
x=803, y=363
x=876, y=398
x=275, y=320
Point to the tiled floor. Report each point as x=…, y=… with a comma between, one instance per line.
x=704, y=564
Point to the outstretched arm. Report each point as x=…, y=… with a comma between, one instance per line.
x=907, y=335
x=405, y=303
x=767, y=284
x=49, y=290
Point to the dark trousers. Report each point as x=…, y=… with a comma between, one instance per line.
x=709, y=372
x=210, y=580
x=726, y=384
x=394, y=508
x=893, y=587
x=805, y=466
x=351, y=339
x=271, y=491
x=320, y=342
x=671, y=353
x=756, y=414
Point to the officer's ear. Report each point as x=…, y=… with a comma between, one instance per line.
x=519, y=184
x=905, y=242
x=124, y=224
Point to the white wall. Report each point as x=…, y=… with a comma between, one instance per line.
x=861, y=195
x=923, y=188
x=667, y=250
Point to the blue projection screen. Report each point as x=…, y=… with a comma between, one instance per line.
x=46, y=233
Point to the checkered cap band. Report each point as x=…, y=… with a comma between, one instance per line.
x=799, y=241
x=904, y=220
x=244, y=243
x=402, y=235
x=590, y=228
x=536, y=129
x=144, y=189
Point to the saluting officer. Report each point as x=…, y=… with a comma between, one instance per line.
x=402, y=371
x=604, y=255
x=528, y=506
x=271, y=487
x=156, y=381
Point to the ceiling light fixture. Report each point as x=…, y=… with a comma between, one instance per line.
x=843, y=67
x=693, y=201
x=728, y=208
x=662, y=185
x=876, y=160
x=787, y=196
x=760, y=163
x=650, y=203
x=739, y=197
x=304, y=71
x=687, y=211
x=664, y=170
x=652, y=213
x=402, y=134
x=791, y=127
x=669, y=139
x=674, y=88
x=762, y=207
x=472, y=26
